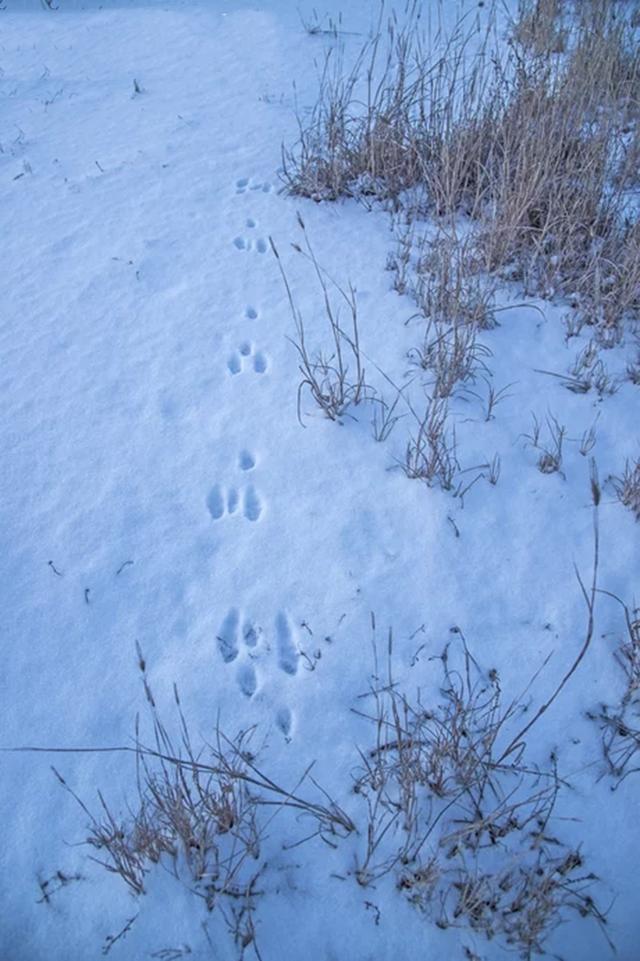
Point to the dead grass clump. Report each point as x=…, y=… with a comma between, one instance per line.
x=604, y=58
x=532, y=144
x=538, y=27
x=461, y=814
x=379, y=128
x=525, y=903
x=335, y=376
x=546, y=193
x=627, y=487
x=633, y=370
x=431, y=451
x=459, y=810
x=201, y=821
x=202, y=815
x=620, y=724
x=550, y=447
x=588, y=372
x=555, y=215
x=448, y=284
x=607, y=292
x=452, y=355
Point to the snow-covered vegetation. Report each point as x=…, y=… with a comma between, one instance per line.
x=321, y=479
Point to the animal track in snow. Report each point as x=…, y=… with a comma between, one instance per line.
x=228, y=636
x=251, y=313
x=221, y=501
x=231, y=639
x=287, y=651
x=219, y=504
x=237, y=360
x=247, y=679
x=244, y=243
x=246, y=183
x=284, y=721
x=246, y=460
x=259, y=363
x=251, y=634
x=234, y=364
x=232, y=500
x=240, y=639
x=252, y=504
x=215, y=502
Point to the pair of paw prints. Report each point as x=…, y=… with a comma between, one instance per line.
x=247, y=183
x=247, y=502
x=245, y=354
x=247, y=243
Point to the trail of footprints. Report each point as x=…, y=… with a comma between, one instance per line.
x=247, y=243
x=246, y=356
x=240, y=639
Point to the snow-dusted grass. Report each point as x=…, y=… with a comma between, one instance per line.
x=522, y=140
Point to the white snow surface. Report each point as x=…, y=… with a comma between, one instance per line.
x=151, y=451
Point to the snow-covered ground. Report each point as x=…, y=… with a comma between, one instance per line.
x=158, y=488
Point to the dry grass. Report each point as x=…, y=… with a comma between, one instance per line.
x=633, y=370
x=620, y=724
x=549, y=445
x=538, y=27
x=500, y=161
x=431, y=451
x=203, y=814
x=448, y=284
x=454, y=804
x=334, y=376
x=458, y=810
x=525, y=142
x=385, y=417
x=627, y=487
x=452, y=355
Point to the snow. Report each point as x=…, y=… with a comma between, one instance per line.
x=151, y=452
